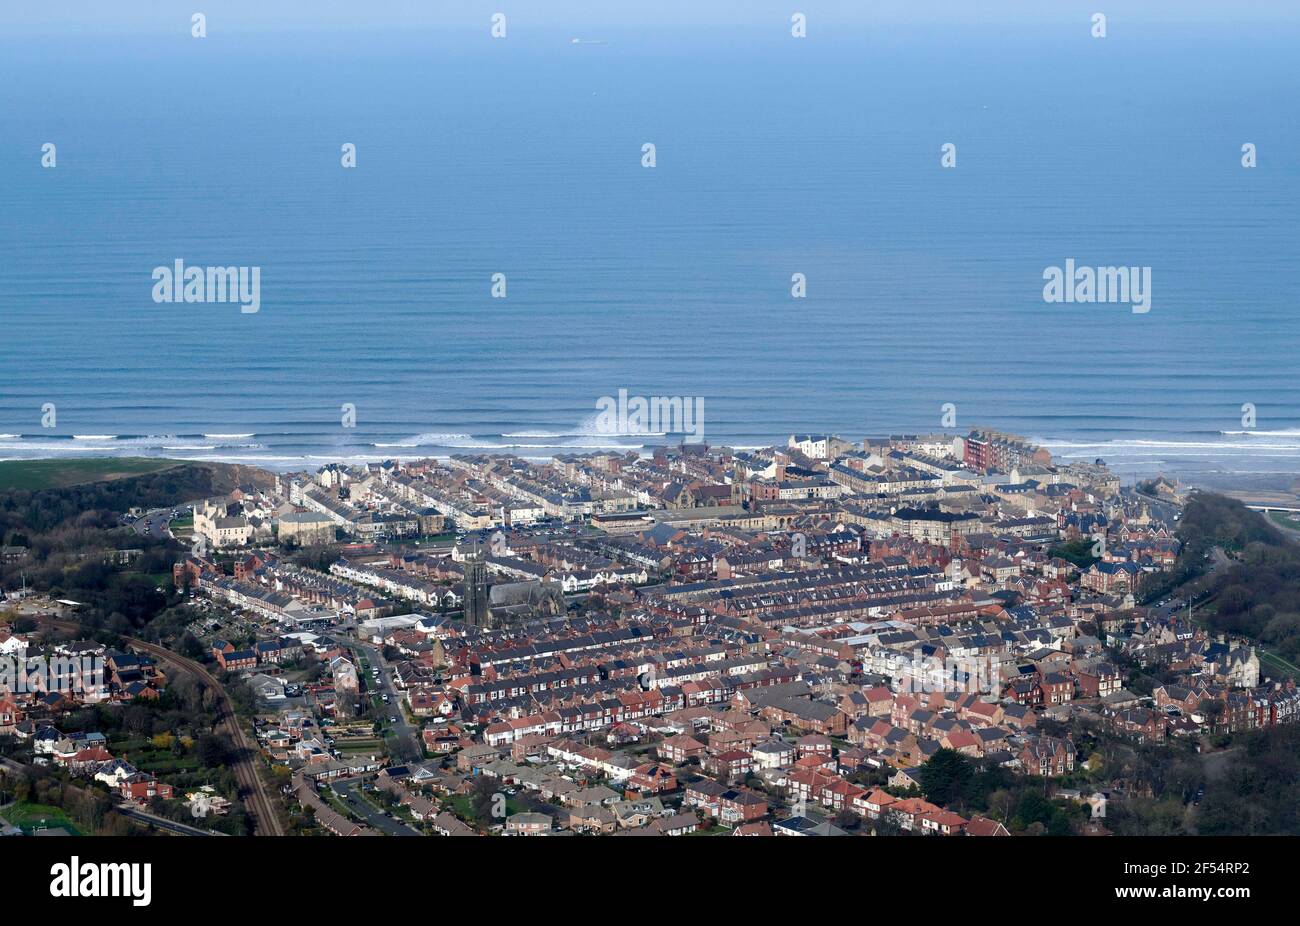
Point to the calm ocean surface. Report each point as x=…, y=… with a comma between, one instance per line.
x=775, y=156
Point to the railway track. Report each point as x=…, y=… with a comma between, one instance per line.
x=260, y=806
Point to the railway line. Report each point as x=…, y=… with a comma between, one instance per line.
x=258, y=803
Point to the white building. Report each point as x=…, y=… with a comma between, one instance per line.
x=220, y=530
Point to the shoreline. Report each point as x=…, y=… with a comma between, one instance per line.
x=1276, y=487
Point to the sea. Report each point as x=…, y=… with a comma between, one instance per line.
x=521, y=163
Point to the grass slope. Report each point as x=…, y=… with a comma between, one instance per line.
x=34, y=475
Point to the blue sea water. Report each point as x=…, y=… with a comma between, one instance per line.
x=774, y=156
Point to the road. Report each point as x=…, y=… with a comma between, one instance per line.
x=160, y=517
x=258, y=803
x=162, y=823
x=348, y=791
x=408, y=736
x=1160, y=508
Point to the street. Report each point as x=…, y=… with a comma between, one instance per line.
x=406, y=735
x=154, y=523
x=349, y=792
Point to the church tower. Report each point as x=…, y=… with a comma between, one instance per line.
x=476, y=591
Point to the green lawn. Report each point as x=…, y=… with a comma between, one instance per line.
x=148, y=758
x=160, y=763
x=369, y=745
x=57, y=473
x=462, y=806
x=28, y=817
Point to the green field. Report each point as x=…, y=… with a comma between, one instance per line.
x=56, y=474
x=28, y=817
x=1287, y=520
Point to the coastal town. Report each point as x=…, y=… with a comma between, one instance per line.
x=825, y=637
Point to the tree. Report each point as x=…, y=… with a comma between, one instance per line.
x=947, y=777
x=163, y=740
x=484, y=797
x=846, y=819
x=887, y=825
x=189, y=646
x=214, y=750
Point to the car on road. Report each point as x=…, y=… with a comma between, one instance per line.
x=392, y=720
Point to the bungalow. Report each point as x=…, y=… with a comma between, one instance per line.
x=633, y=814
x=446, y=824
x=679, y=824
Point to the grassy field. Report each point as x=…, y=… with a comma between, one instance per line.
x=1287, y=520
x=55, y=474
x=27, y=817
